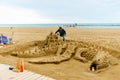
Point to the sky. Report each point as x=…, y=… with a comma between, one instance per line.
x=59, y=11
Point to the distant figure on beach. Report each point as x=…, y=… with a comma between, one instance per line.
x=62, y=32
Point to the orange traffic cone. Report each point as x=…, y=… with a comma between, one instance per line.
x=21, y=65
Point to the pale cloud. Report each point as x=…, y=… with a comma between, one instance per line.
x=15, y=15
x=59, y=11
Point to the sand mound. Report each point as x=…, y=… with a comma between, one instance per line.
x=54, y=50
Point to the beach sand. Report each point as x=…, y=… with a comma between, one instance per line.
x=68, y=70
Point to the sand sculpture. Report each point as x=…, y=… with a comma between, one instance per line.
x=54, y=50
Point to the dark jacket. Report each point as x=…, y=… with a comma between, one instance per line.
x=61, y=31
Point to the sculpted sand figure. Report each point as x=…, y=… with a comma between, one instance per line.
x=104, y=60
x=55, y=50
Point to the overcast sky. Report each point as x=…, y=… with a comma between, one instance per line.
x=59, y=11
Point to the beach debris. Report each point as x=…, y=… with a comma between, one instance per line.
x=1, y=46
x=11, y=68
x=3, y=39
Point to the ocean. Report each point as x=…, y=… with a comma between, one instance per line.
x=80, y=25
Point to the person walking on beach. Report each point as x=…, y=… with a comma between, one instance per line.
x=62, y=32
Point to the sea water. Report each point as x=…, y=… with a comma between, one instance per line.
x=80, y=25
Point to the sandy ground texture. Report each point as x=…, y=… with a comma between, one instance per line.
x=68, y=70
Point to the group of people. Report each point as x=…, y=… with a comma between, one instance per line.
x=61, y=32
